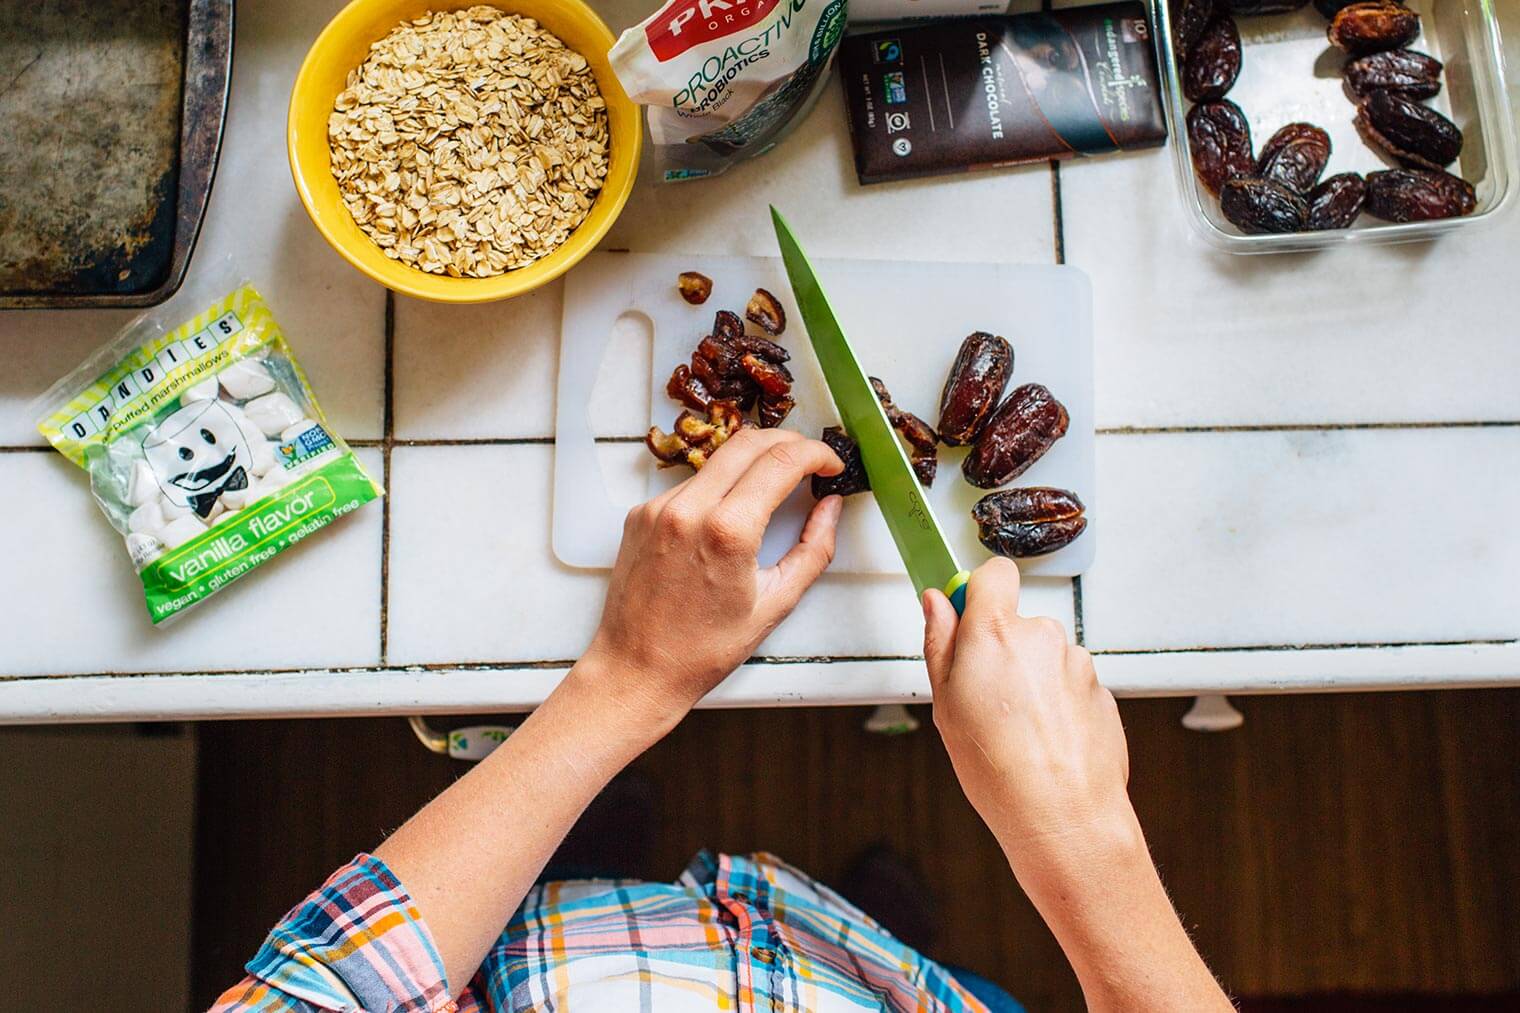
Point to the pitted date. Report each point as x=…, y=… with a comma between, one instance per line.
x=694, y=287
x=922, y=441
x=1295, y=156
x=765, y=312
x=774, y=410
x=1415, y=135
x=1418, y=195
x=1029, y=522
x=1210, y=68
x=687, y=389
x=1253, y=7
x=853, y=478
x=1258, y=206
x=974, y=387
x=1018, y=434
x=727, y=327
x=1400, y=71
x=693, y=440
x=1373, y=26
x=1336, y=202
x=1220, y=139
x=1190, y=18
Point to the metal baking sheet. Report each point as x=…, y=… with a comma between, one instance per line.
x=113, y=114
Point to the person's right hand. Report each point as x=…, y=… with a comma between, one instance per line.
x=1035, y=739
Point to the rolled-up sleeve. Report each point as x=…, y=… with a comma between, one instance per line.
x=357, y=943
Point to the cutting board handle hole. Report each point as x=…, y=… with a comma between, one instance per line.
x=622, y=378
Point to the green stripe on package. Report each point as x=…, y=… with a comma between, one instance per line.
x=205, y=448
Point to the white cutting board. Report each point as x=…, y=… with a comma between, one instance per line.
x=905, y=321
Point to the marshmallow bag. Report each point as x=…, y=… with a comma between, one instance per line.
x=205, y=448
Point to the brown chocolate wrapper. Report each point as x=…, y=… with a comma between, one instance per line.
x=981, y=92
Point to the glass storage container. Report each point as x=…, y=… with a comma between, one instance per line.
x=1291, y=73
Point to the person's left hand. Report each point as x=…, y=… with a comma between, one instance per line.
x=689, y=602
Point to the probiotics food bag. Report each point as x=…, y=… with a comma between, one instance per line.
x=725, y=79
x=205, y=448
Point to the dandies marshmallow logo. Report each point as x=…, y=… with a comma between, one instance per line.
x=687, y=23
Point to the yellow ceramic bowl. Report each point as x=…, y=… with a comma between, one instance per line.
x=344, y=44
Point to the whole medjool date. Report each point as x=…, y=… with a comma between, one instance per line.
x=1258, y=206
x=1210, y=68
x=1295, y=156
x=1336, y=202
x=973, y=388
x=1189, y=19
x=1028, y=522
x=1400, y=71
x=1372, y=26
x=1414, y=134
x=1018, y=434
x=1220, y=139
x=1417, y=195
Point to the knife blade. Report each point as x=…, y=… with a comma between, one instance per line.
x=910, y=518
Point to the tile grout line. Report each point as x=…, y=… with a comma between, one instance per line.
x=778, y=660
x=387, y=442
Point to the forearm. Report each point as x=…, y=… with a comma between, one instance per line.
x=470, y=856
x=1105, y=903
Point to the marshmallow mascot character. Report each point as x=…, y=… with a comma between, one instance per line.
x=197, y=454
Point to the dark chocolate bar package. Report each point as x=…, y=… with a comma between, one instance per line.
x=980, y=92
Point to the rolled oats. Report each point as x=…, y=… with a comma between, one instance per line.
x=469, y=143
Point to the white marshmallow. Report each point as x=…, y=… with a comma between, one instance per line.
x=217, y=509
x=206, y=390
x=237, y=499
x=264, y=460
x=244, y=380
x=291, y=432
x=172, y=511
x=177, y=533
x=224, y=518
x=141, y=485
x=273, y=413
x=147, y=519
x=144, y=549
x=273, y=482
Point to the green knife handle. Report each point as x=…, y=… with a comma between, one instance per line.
x=956, y=591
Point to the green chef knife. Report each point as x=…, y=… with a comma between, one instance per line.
x=908, y=515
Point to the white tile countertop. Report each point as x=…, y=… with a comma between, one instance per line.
x=1310, y=464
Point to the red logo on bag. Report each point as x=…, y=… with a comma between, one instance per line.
x=687, y=23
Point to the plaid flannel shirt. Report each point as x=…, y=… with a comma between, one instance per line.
x=734, y=933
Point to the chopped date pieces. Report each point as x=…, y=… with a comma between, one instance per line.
x=693, y=440
x=1210, y=68
x=687, y=389
x=765, y=312
x=745, y=370
x=1220, y=139
x=1018, y=434
x=1336, y=202
x=727, y=326
x=1416, y=135
x=1295, y=156
x=1258, y=206
x=974, y=387
x=1417, y=195
x=1190, y=18
x=694, y=287
x=923, y=442
x=1028, y=522
x=853, y=478
x=1400, y=71
x=1373, y=26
